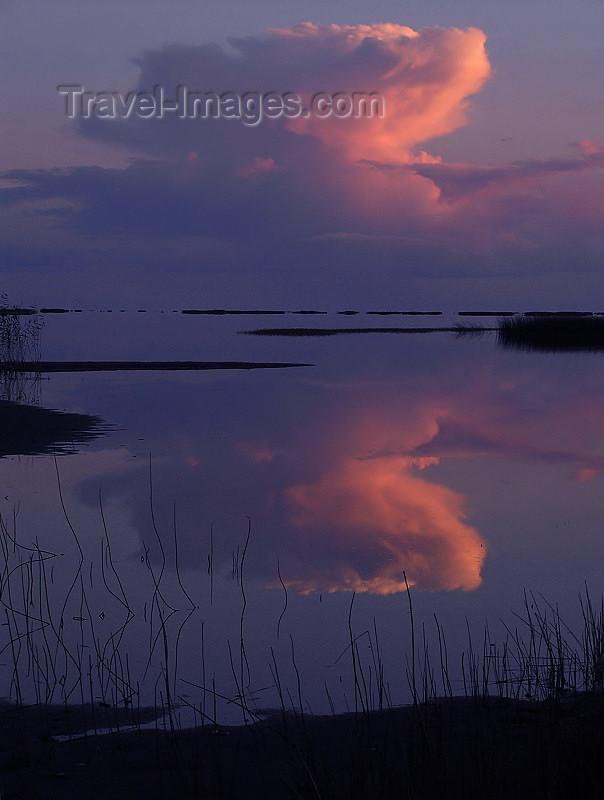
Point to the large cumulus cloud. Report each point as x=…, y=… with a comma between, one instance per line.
x=360, y=207
x=425, y=77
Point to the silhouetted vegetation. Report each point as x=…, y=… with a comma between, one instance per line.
x=553, y=332
x=19, y=335
x=25, y=428
x=558, y=313
x=528, y=723
x=19, y=344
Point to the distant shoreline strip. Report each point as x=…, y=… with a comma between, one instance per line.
x=6, y=311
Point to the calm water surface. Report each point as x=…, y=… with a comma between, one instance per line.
x=471, y=473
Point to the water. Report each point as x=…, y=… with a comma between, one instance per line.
x=205, y=548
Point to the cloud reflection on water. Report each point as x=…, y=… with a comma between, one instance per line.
x=369, y=521
x=349, y=481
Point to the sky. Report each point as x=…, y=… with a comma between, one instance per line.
x=482, y=184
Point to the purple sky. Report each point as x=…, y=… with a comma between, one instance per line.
x=482, y=185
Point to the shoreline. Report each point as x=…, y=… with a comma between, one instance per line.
x=451, y=747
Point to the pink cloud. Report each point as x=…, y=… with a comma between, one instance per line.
x=257, y=453
x=456, y=180
x=335, y=197
x=257, y=166
x=589, y=147
x=425, y=77
x=586, y=474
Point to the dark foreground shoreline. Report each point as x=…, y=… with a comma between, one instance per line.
x=448, y=749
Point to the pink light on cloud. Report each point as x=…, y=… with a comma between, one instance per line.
x=257, y=166
x=425, y=77
x=589, y=147
x=363, y=201
x=257, y=453
x=586, y=474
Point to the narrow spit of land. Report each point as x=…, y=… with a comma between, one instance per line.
x=348, y=331
x=111, y=366
x=534, y=331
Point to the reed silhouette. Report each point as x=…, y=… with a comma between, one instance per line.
x=553, y=333
x=525, y=721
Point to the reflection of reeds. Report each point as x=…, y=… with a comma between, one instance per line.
x=553, y=332
x=471, y=330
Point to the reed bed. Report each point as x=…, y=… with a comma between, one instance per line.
x=19, y=344
x=553, y=332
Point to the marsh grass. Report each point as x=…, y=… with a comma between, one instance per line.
x=472, y=329
x=521, y=717
x=25, y=427
x=19, y=344
x=572, y=332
